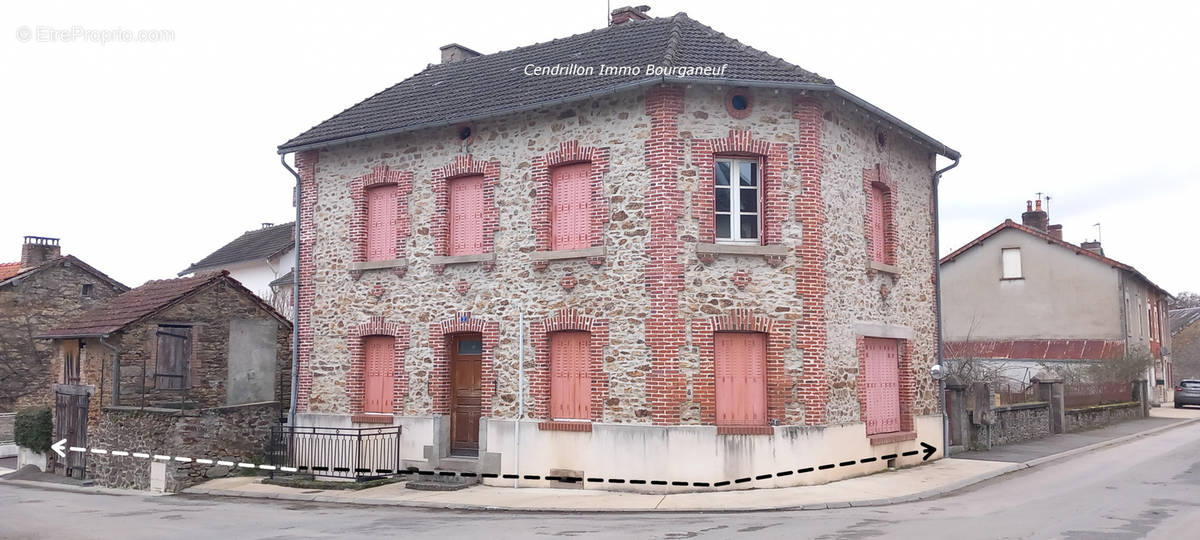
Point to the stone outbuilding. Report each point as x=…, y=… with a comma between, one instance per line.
x=44, y=289
x=197, y=366
x=645, y=257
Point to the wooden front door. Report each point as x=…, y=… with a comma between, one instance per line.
x=466, y=359
x=71, y=416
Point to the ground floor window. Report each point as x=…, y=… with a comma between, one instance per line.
x=741, y=360
x=570, y=377
x=380, y=374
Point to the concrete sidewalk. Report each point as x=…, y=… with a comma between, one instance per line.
x=921, y=482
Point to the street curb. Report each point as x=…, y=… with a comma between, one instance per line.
x=911, y=497
x=90, y=490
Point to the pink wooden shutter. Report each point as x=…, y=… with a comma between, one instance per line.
x=381, y=223
x=741, y=359
x=571, y=207
x=878, y=226
x=380, y=374
x=570, y=379
x=883, y=385
x=466, y=215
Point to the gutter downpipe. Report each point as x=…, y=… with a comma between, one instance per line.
x=116, y=384
x=937, y=269
x=295, y=296
x=520, y=394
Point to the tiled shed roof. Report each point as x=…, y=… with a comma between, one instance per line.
x=489, y=85
x=257, y=244
x=124, y=309
x=1182, y=318
x=8, y=270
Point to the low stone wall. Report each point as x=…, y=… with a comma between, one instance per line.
x=1101, y=415
x=1013, y=424
x=235, y=434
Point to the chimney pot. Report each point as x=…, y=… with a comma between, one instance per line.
x=39, y=249
x=628, y=13
x=266, y=225
x=1035, y=217
x=457, y=53
x=1038, y=205
x=1028, y=206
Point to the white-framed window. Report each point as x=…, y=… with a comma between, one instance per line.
x=738, y=203
x=1011, y=260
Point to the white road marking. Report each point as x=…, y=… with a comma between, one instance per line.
x=78, y=449
x=164, y=458
x=267, y=467
x=99, y=451
x=183, y=459
x=204, y=461
x=288, y=469
x=141, y=455
x=226, y=463
x=120, y=453
x=246, y=465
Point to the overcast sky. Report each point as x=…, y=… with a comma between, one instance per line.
x=145, y=156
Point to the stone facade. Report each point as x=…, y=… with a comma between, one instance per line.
x=1012, y=424
x=237, y=434
x=1101, y=415
x=660, y=286
x=29, y=306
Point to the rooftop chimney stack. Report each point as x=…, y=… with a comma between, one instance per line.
x=457, y=53
x=266, y=225
x=1056, y=232
x=1034, y=217
x=628, y=13
x=1094, y=247
x=39, y=249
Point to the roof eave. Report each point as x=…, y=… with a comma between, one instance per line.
x=934, y=144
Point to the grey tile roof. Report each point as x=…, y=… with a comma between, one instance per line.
x=493, y=84
x=257, y=244
x=1182, y=318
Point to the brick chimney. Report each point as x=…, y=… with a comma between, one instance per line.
x=1056, y=231
x=457, y=53
x=628, y=13
x=1035, y=217
x=1093, y=246
x=39, y=249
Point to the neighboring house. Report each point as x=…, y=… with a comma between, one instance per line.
x=720, y=276
x=1021, y=295
x=203, y=369
x=255, y=258
x=1185, y=342
x=44, y=289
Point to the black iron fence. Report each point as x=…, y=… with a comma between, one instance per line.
x=356, y=453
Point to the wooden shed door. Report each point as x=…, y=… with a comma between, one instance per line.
x=883, y=385
x=466, y=362
x=381, y=223
x=466, y=215
x=570, y=380
x=741, y=359
x=174, y=357
x=71, y=417
x=571, y=214
x=380, y=374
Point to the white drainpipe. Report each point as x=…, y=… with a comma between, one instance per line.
x=520, y=394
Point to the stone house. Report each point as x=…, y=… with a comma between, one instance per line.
x=43, y=289
x=1185, y=342
x=1021, y=295
x=722, y=265
x=196, y=366
x=255, y=259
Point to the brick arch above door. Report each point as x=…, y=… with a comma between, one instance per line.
x=439, y=380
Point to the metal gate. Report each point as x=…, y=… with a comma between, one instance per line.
x=71, y=416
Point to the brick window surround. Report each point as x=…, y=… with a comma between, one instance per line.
x=381, y=175
x=773, y=159
x=567, y=320
x=908, y=387
x=780, y=386
x=356, y=379
x=568, y=153
x=464, y=165
x=439, y=342
x=877, y=177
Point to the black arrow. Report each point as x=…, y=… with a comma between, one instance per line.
x=929, y=450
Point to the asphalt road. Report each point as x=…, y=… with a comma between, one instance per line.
x=1148, y=488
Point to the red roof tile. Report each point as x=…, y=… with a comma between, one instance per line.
x=122, y=310
x=8, y=270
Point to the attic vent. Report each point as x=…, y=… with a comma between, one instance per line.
x=739, y=102
x=464, y=133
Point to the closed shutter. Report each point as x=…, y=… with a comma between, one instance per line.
x=570, y=379
x=381, y=223
x=571, y=196
x=380, y=374
x=741, y=359
x=883, y=385
x=174, y=353
x=878, y=226
x=466, y=215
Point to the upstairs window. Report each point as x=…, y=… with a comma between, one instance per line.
x=174, y=356
x=879, y=225
x=87, y=290
x=1011, y=260
x=381, y=223
x=571, y=208
x=466, y=215
x=738, y=201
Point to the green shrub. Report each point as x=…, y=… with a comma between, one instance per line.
x=34, y=429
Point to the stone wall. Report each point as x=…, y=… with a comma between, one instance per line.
x=1101, y=415
x=1013, y=424
x=29, y=307
x=237, y=434
x=653, y=188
